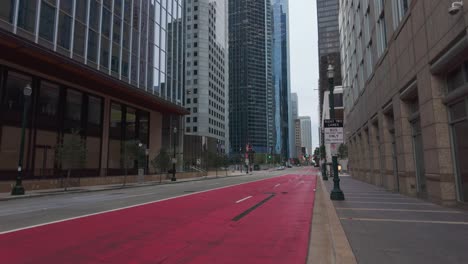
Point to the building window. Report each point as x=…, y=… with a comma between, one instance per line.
x=195, y=129
x=26, y=14
x=74, y=102
x=92, y=45
x=47, y=22
x=400, y=8
x=381, y=27
x=48, y=99
x=13, y=97
x=79, y=39
x=64, y=30
x=7, y=10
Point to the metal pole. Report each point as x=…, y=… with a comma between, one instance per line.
x=336, y=194
x=174, y=158
x=18, y=189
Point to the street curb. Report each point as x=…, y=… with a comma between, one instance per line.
x=203, y=178
x=328, y=241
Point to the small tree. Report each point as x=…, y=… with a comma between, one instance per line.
x=323, y=152
x=161, y=162
x=343, y=151
x=317, y=152
x=71, y=153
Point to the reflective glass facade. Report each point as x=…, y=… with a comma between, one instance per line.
x=102, y=69
x=251, y=96
x=137, y=41
x=283, y=118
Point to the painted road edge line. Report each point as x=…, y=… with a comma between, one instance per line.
x=130, y=206
x=404, y=221
x=243, y=199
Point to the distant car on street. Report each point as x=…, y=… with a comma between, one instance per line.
x=280, y=168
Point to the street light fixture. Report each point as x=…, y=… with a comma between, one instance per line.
x=18, y=189
x=336, y=193
x=174, y=160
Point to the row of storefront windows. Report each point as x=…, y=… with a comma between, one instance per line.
x=54, y=113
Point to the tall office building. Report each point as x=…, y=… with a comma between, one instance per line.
x=329, y=45
x=406, y=105
x=294, y=106
x=306, y=133
x=110, y=70
x=281, y=79
x=251, y=96
x=206, y=76
x=294, y=116
x=297, y=138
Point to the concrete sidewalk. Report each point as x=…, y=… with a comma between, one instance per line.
x=384, y=227
x=328, y=242
x=96, y=188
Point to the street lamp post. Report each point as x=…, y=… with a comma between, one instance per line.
x=18, y=189
x=336, y=193
x=174, y=160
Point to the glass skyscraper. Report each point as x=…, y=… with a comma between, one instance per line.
x=281, y=79
x=329, y=44
x=111, y=70
x=251, y=92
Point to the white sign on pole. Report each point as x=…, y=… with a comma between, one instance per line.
x=333, y=131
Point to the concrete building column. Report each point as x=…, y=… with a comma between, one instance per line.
x=404, y=142
x=105, y=136
x=368, y=166
x=375, y=140
x=439, y=171
x=388, y=170
x=362, y=157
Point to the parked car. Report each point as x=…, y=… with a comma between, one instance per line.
x=280, y=168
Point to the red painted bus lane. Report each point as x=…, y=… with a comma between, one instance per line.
x=266, y=221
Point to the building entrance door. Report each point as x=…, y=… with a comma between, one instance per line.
x=419, y=158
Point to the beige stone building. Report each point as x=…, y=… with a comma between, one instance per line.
x=405, y=73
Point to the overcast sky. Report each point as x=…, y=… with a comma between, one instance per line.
x=304, y=59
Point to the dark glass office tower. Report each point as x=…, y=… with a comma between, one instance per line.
x=251, y=97
x=329, y=43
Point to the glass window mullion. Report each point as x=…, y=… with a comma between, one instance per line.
x=139, y=46
x=130, y=43
x=122, y=27
x=147, y=47
x=38, y=15
x=72, y=38
x=87, y=32
x=57, y=12
x=111, y=39
x=15, y=17
x=98, y=59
